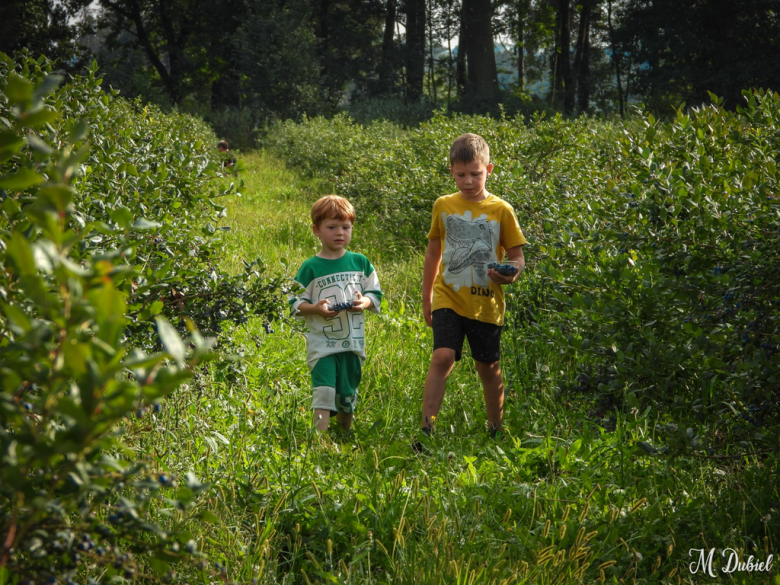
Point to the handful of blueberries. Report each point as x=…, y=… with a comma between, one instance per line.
x=505, y=269
x=338, y=307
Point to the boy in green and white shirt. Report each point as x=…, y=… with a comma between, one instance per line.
x=335, y=342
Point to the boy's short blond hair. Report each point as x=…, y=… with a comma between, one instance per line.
x=468, y=148
x=332, y=207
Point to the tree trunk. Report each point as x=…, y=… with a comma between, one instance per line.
x=415, y=47
x=387, y=70
x=173, y=42
x=322, y=31
x=564, y=80
x=482, y=83
x=615, y=57
x=582, y=58
x=431, y=60
x=449, y=54
x=133, y=13
x=520, y=45
x=460, y=72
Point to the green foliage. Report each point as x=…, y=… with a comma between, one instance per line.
x=44, y=27
x=675, y=50
x=390, y=108
x=276, y=51
x=652, y=247
x=558, y=498
x=668, y=270
x=107, y=251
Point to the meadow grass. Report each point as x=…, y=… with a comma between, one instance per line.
x=564, y=495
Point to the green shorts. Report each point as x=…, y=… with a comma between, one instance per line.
x=334, y=380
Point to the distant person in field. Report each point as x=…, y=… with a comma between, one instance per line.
x=223, y=146
x=336, y=287
x=463, y=297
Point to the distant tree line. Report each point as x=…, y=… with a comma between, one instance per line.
x=283, y=58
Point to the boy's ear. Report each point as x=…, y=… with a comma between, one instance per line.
x=489, y=168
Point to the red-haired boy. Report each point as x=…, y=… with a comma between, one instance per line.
x=335, y=342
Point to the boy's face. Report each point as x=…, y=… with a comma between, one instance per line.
x=470, y=178
x=334, y=234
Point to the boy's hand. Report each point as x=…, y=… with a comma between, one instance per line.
x=360, y=303
x=427, y=314
x=322, y=310
x=499, y=278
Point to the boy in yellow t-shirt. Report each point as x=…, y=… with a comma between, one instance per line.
x=462, y=295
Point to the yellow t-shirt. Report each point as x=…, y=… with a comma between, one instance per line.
x=473, y=234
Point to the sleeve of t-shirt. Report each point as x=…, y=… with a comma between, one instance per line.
x=436, y=228
x=300, y=293
x=372, y=289
x=511, y=234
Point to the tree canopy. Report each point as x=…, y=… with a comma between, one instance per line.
x=286, y=58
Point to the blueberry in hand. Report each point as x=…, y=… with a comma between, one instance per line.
x=338, y=307
x=505, y=269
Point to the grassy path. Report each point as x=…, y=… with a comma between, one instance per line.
x=557, y=500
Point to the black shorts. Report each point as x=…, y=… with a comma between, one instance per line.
x=449, y=329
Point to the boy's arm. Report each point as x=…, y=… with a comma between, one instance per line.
x=321, y=309
x=371, y=297
x=515, y=253
x=430, y=270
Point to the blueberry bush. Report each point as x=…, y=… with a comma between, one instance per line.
x=652, y=245
x=109, y=289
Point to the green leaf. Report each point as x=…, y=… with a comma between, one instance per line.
x=10, y=142
x=170, y=340
x=22, y=179
x=209, y=516
x=122, y=216
x=17, y=88
x=11, y=207
x=38, y=145
x=47, y=86
x=37, y=119
x=58, y=195
x=145, y=224
x=17, y=318
x=21, y=255
x=78, y=132
x=160, y=566
x=647, y=448
x=108, y=303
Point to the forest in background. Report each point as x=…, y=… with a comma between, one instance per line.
x=242, y=63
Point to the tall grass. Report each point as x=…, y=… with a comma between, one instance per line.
x=564, y=496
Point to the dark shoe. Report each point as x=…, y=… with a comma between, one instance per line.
x=417, y=446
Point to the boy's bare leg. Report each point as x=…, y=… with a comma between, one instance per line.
x=493, y=390
x=344, y=419
x=321, y=419
x=442, y=361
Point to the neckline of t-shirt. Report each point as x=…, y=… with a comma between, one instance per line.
x=485, y=200
x=346, y=253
